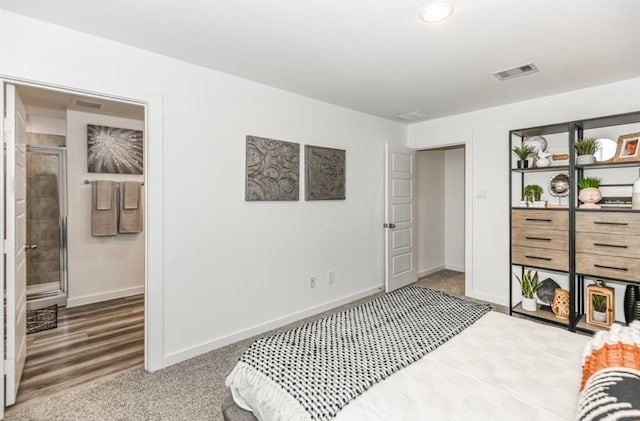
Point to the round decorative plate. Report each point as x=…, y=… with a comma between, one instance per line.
x=538, y=143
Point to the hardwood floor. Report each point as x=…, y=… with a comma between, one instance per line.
x=90, y=342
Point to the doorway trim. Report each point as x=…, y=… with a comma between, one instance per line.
x=154, y=196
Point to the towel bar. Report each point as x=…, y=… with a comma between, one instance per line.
x=90, y=181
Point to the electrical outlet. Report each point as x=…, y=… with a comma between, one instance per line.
x=331, y=277
x=312, y=282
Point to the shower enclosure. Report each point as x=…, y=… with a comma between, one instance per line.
x=46, y=244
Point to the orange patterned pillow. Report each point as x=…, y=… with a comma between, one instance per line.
x=619, y=347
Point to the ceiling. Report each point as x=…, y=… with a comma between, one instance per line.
x=377, y=56
x=54, y=104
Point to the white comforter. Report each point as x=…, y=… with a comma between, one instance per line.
x=499, y=368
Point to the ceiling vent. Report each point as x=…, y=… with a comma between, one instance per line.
x=518, y=71
x=87, y=104
x=412, y=116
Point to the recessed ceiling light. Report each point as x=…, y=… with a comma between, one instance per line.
x=436, y=11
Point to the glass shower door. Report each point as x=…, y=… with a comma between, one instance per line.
x=46, y=226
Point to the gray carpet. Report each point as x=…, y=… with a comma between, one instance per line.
x=191, y=390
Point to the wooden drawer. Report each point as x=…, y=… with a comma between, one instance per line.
x=539, y=257
x=608, y=222
x=540, y=219
x=608, y=244
x=608, y=266
x=546, y=239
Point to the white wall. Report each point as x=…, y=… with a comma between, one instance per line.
x=485, y=133
x=46, y=125
x=100, y=268
x=230, y=268
x=454, y=209
x=431, y=211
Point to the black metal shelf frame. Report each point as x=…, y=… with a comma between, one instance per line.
x=574, y=131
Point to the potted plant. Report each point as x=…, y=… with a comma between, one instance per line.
x=529, y=284
x=586, y=149
x=599, y=308
x=532, y=193
x=589, y=192
x=523, y=152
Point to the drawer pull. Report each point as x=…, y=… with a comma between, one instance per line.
x=537, y=219
x=620, y=246
x=538, y=238
x=610, y=267
x=539, y=258
x=610, y=223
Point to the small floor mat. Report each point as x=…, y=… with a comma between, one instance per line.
x=42, y=319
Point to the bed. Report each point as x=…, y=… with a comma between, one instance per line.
x=497, y=367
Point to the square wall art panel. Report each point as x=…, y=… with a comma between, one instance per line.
x=115, y=151
x=325, y=170
x=273, y=169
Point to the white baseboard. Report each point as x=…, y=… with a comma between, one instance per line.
x=104, y=296
x=456, y=268
x=489, y=298
x=239, y=335
x=430, y=271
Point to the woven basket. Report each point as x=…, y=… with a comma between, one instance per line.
x=610, y=355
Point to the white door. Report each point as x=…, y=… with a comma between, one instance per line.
x=14, y=246
x=400, y=228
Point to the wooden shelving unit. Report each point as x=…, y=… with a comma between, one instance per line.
x=548, y=255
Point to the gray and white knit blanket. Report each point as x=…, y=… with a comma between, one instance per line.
x=313, y=371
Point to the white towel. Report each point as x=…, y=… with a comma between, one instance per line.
x=104, y=194
x=131, y=195
x=131, y=220
x=104, y=222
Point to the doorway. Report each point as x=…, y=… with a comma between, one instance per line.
x=53, y=114
x=441, y=210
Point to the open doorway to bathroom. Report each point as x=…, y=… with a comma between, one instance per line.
x=441, y=218
x=85, y=287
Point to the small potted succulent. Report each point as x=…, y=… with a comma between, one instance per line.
x=523, y=152
x=529, y=284
x=589, y=192
x=532, y=193
x=586, y=149
x=599, y=308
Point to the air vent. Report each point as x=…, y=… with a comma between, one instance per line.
x=87, y=104
x=518, y=71
x=412, y=116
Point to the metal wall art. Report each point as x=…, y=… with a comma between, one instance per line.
x=113, y=150
x=273, y=168
x=325, y=173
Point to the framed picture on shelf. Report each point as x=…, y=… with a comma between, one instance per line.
x=628, y=148
x=599, y=305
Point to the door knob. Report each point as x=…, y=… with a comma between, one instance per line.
x=30, y=246
x=389, y=225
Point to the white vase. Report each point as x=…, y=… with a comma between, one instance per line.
x=585, y=159
x=635, y=195
x=543, y=162
x=529, y=304
x=589, y=197
x=599, y=316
